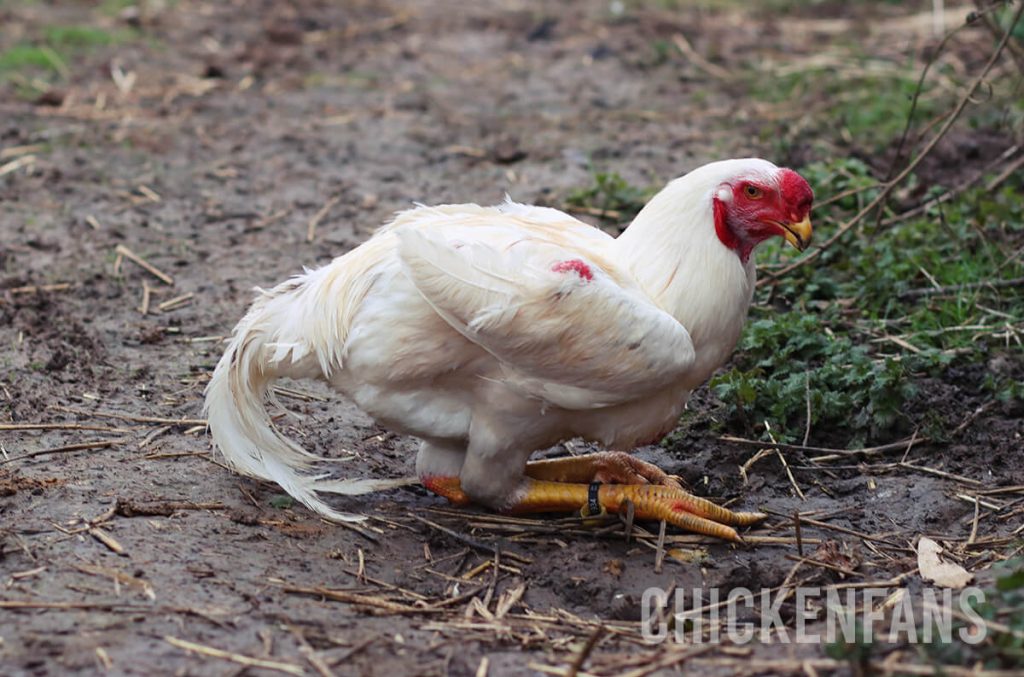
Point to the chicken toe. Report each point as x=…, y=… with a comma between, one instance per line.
x=607, y=467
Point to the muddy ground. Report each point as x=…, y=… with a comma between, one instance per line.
x=227, y=130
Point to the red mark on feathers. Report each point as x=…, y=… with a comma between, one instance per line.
x=575, y=265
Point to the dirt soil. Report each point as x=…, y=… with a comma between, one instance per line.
x=242, y=129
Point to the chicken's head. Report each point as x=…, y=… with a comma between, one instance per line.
x=752, y=207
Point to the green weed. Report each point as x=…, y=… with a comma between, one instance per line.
x=1003, y=609
x=55, y=47
x=856, y=652
x=80, y=36
x=23, y=57
x=115, y=7
x=611, y=197
x=789, y=363
x=281, y=501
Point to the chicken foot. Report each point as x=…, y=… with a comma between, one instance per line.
x=609, y=467
x=650, y=502
x=567, y=484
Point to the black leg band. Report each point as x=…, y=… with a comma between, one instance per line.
x=593, y=504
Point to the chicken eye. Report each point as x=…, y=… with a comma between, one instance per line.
x=753, y=192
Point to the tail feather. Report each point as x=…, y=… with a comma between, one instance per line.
x=289, y=331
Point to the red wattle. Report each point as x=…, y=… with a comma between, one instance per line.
x=721, y=227
x=725, y=234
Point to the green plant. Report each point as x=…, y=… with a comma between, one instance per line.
x=856, y=652
x=1002, y=609
x=281, y=501
x=791, y=362
x=611, y=197
x=78, y=36
x=54, y=48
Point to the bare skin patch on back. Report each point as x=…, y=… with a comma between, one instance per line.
x=576, y=266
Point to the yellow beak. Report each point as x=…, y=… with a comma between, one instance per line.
x=798, y=234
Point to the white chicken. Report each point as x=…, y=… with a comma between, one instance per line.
x=491, y=332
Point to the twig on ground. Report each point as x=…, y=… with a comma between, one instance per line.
x=799, y=533
x=63, y=426
x=128, y=508
x=361, y=599
x=147, y=293
x=247, y=661
x=584, y=652
x=68, y=448
x=319, y=216
x=37, y=288
x=960, y=288
x=176, y=302
x=687, y=50
x=807, y=397
x=310, y=654
x=974, y=522
x=471, y=542
x=659, y=557
x=832, y=453
x=127, y=253
x=106, y=539
x=960, y=188
x=823, y=565
x=785, y=464
x=833, y=527
x=131, y=417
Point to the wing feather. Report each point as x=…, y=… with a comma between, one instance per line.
x=576, y=341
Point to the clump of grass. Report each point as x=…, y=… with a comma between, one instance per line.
x=21, y=57
x=114, y=7
x=71, y=37
x=786, y=362
x=55, y=47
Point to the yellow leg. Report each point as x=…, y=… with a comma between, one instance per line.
x=650, y=501
x=447, y=487
x=654, y=502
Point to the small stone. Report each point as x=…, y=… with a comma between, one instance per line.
x=51, y=97
x=507, y=150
